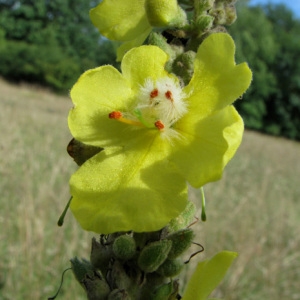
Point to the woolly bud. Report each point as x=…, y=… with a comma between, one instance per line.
x=170, y=268
x=81, y=268
x=96, y=288
x=184, y=219
x=163, y=292
x=165, y=13
x=153, y=255
x=124, y=247
x=181, y=241
x=230, y=14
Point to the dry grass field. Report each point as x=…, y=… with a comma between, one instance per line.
x=254, y=209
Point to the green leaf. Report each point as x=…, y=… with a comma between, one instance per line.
x=208, y=275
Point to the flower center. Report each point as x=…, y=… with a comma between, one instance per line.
x=159, y=105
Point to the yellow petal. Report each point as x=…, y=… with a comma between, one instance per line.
x=145, y=62
x=120, y=20
x=207, y=146
x=97, y=93
x=217, y=80
x=132, y=188
x=126, y=46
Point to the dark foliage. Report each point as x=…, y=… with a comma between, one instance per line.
x=50, y=42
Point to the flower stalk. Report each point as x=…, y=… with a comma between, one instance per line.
x=142, y=133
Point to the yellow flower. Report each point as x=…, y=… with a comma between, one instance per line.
x=131, y=21
x=156, y=135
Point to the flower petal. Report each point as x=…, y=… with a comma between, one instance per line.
x=217, y=80
x=126, y=46
x=120, y=20
x=135, y=188
x=145, y=62
x=207, y=146
x=97, y=93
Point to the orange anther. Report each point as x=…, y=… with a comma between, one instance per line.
x=169, y=95
x=115, y=115
x=154, y=93
x=159, y=125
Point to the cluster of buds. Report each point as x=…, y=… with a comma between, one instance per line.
x=134, y=265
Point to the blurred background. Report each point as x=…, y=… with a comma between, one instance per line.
x=44, y=47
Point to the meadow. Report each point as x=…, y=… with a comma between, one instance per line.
x=254, y=209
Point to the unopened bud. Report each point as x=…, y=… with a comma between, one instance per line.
x=124, y=247
x=165, y=13
x=230, y=14
x=81, y=268
x=153, y=255
x=170, y=268
x=163, y=292
x=96, y=288
x=204, y=22
x=184, y=219
x=100, y=255
x=118, y=294
x=181, y=241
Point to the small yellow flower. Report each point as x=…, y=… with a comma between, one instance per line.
x=131, y=21
x=156, y=135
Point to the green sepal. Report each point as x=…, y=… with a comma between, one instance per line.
x=118, y=294
x=163, y=292
x=183, y=66
x=170, y=268
x=119, y=277
x=100, y=255
x=95, y=287
x=124, y=247
x=181, y=241
x=81, y=268
x=153, y=255
x=204, y=22
x=208, y=275
x=81, y=152
x=184, y=219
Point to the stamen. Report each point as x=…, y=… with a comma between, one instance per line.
x=154, y=93
x=159, y=125
x=115, y=115
x=169, y=95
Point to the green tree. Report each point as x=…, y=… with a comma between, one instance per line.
x=50, y=42
x=268, y=38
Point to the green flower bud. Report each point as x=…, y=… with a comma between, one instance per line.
x=205, y=5
x=204, y=22
x=124, y=247
x=81, y=268
x=188, y=214
x=165, y=13
x=96, y=288
x=181, y=241
x=100, y=255
x=153, y=255
x=163, y=292
x=170, y=268
x=119, y=295
x=230, y=14
x=119, y=277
